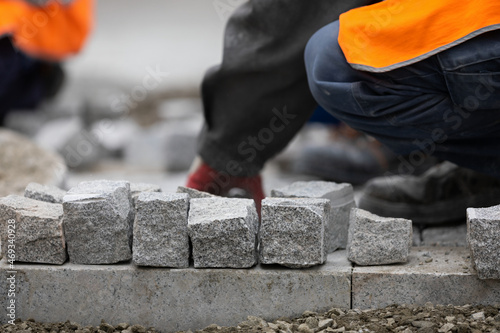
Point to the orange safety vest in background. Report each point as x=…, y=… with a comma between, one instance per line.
x=53, y=31
x=395, y=33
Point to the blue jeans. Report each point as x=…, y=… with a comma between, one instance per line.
x=447, y=105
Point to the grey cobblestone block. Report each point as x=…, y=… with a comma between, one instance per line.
x=194, y=194
x=223, y=232
x=160, y=230
x=138, y=188
x=98, y=218
x=375, y=240
x=35, y=229
x=483, y=236
x=47, y=193
x=341, y=198
x=292, y=232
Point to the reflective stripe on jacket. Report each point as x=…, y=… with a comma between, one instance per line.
x=396, y=33
x=52, y=31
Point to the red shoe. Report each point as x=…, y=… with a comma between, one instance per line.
x=206, y=179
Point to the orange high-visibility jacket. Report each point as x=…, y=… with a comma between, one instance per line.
x=52, y=31
x=396, y=33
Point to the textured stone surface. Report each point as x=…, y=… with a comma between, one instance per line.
x=375, y=240
x=138, y=188
x=194, y=194
x=160, y=230
x=223, y=232
x=23, y=162
x=98, y=217
x=38, y=236
x=441, y=275
x=483, y=236
x=341, y=198
x=45, y=193
x=174, y=299
x=292, y=232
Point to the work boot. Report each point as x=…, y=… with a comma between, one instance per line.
x=206, y=179
x=440, y=195
x=352, y=157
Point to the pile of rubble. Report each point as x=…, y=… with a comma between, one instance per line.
x=106, y=222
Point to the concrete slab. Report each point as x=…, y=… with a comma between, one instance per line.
x=173, y=299
x=441, y=275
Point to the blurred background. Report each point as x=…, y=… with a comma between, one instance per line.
x=129, y=107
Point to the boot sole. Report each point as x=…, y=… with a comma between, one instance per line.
x=436, y=213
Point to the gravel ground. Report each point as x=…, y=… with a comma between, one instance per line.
x=396, y=318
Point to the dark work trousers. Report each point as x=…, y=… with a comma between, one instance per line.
x=21, y=85
x=258, y=98
x=447, y=105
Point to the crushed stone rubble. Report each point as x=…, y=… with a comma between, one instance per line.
x=300, y=224
x=395, y=318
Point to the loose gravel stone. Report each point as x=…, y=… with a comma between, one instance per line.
x=223, y=232
x=422, y=324
x=47, y=193
x=446, y=328
x=98, y=218
x=478, y=316
x=483, y=233
x=292, y=231
x=161, y=231
x=375, y=240
x=341, y=198
x=35, y=228
x=194, y=194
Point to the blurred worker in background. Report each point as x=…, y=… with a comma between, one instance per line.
x=258, y=98
x=35, y=36
x=401, y=93
x=422, y=77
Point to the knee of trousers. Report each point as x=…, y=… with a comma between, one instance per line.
x=329, y=75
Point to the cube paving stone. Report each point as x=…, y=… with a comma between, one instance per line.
x=98, y=219
x=34, y=229
x=375, y=240
x=194, y=194
x=483, y=236
x=47, y=193
x=223, y=232
x=341, y=198
x=138, y=188
x=292, y=232
x=160, y=230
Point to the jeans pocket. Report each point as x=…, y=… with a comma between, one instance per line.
x=474, y=90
